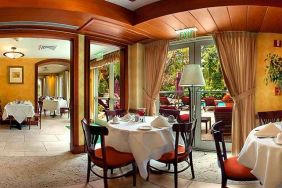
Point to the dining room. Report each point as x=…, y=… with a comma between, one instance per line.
x=31, y=72
x=153, y=93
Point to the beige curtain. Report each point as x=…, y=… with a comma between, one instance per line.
x=154, y=66
x=113, y=57
x=237, y=53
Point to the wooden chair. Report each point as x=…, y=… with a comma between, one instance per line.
x=224, y=114
x=182, y=153
x=112, y=113
x=64, y=110
x=36, y=120
x=105, y=157
x=164, y=101
x=210, y=102
x=230, y=167
x=102, y=103
x=269, y=116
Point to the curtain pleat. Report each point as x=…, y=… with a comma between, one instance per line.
x=154, y=66
x=237, y=53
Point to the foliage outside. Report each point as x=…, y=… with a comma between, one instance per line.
x=211, y=69
x=273, y=69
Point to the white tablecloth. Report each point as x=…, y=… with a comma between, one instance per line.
x=19, y=111
x=143, y=144
x=54, y=105
x=264, y=156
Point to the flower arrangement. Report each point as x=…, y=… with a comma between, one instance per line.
x=273, y=69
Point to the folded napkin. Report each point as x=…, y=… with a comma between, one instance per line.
x=270, y=130
x=126, y=117
x=160, y=122
x=279, y=137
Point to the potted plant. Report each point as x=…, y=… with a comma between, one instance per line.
x=273, y=69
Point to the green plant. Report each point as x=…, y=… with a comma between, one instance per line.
x=273, y=69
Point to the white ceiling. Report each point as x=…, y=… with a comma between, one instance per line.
x=31, y=47
x=51, y=68
x=132, y=5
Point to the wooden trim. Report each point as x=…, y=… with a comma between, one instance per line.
x=45, y=62
x=73, y=38
x=88, y=23
x=123, y=73
x=78, y=149
x=167, y=7
x=86, y=79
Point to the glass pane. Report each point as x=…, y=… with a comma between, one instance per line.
x=171, y=93
x=213, y=94
x=117, y=85
x=103, y=91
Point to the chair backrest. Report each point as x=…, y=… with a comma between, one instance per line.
x=168, y=107
x=185, y=100
x=91, y=137
x=210, y=101
x=270, y=116
x=185, y=131
x=40, y=105
x=164, y=101
x=120, y=112
x=224, y=114
x=168, y=112
x=219, y=143
x=110, y=114
x=102, y=103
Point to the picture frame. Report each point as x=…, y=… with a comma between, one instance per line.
x=16, y=74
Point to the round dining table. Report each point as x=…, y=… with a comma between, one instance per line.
x=143, y=144
x=264, y=157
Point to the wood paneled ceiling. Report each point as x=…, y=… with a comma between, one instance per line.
x=158, y=20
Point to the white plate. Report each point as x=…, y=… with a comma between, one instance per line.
x=145, y=127
x=275, y=140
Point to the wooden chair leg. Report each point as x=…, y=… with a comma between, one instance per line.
x=105, y=178
x=191, y=165
x=223, y=182
x=148, y=171
x=88, y=169
x=175, y=175
x=134, y=173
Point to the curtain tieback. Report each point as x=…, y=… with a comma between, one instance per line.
x=149, y=97
x=244, y=94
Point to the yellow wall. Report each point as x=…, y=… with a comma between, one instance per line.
x=10, y=92
x=136, y=76
x=265, y=98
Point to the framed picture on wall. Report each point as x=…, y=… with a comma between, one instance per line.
x=16, y=74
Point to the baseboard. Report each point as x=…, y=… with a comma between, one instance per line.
x=77, y=149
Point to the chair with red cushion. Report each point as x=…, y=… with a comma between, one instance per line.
x=181, y=153
x=230, y=167
x=210, y=102
x=183, y=118
x=164, y=101
x=105, y=157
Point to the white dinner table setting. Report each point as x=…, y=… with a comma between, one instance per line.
x=262, y=152
x=54, y=105
x=20, y=110
x=145, y=140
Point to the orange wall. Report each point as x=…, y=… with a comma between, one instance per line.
x=265, y=98
x=11, y=92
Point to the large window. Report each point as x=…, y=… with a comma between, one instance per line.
x=203, y=52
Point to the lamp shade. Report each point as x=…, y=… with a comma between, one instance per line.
x=192, y=75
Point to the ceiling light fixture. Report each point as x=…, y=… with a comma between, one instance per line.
x=13, y=54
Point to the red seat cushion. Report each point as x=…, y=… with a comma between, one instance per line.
x=184, y=118
x=234, y=169
x=114, y=158
x=169, y=157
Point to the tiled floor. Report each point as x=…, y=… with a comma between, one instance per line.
x=51, y=139
x=158, y=181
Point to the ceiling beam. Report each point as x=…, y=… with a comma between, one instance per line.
x=166, y=7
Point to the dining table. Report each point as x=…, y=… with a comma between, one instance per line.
x=19, y=110
x=54, y=105
x=264, y=156
x=144, y=144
